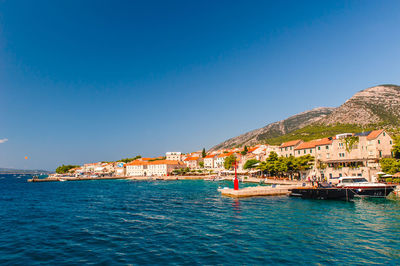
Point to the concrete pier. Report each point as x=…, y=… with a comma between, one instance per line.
x=257, y=191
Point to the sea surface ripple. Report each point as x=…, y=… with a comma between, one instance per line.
x=120, y=222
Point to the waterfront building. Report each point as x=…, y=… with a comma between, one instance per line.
x=313, y=147
x=192, y=162
x=173, y=156
x=361, y=159
x=219, y=161
x=287, y=148
x=209, y=161
x=152, y=168
x=120, y=169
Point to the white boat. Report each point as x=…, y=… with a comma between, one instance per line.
x=362, y=188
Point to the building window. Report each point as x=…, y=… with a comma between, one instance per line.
x=327, y=147
x=291, y=148
x=379, y=142
x=384, y=134
x=286, y=149
x=304, y=151
x=310, y=150
x=380, y=153
x=319, y=148
x=298, y=152
x=390, y=142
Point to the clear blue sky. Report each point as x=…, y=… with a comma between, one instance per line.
x=84, y=81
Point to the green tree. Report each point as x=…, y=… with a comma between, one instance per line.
x=292, y=165
x=396, y=147
x=390, y=165
x=229, y=161
x=203, y=153
x=269, y=164
x=158, y=159
x=245, y=150
x=201, y=164
x=350, y=142
x=65, y=168
x=280, y=166
x=128, y=160
x=250, y=164
x=305, y=162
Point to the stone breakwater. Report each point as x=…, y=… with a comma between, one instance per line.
x=257, y=191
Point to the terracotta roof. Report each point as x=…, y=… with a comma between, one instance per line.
x=210, y=156
x=324, y=141
x=165, y=162
x=154, y=162
x=192, y=159
x=225, y=154
x=313, y=143
x=290, y=143
x=251, y=149
x=374, y=134
x=137, y=162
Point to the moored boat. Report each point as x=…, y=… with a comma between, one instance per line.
x=362, y=188
x=326, y=193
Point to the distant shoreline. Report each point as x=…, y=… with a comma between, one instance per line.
x=25, y=173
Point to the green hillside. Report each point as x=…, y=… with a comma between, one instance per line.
x=319, y=131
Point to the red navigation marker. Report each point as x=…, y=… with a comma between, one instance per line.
x=235, y=181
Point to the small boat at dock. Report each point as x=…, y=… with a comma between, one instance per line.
x=362, y=188
x=324, y=192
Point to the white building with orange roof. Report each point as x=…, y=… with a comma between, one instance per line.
x=219, y=161
x=136, y=168
x=346, y=154
x=323, y=149
x=287, y=148
x=90, y=167
x=173, y=156
x=192, y=162
x=362, y=158
x=209, y=161
x=152, y=168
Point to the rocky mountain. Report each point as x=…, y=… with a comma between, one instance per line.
x=379, y=105
x=277, y=129
x=375, y=105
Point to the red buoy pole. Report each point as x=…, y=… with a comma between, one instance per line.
x=236, y=181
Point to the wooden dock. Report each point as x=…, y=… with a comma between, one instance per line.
x=258, y=191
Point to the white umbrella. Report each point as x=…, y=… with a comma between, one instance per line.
x=380, y=173
x=387, y=175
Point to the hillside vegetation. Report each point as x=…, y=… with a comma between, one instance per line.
x=317, y=132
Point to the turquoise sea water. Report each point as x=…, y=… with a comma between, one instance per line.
x=187, y=222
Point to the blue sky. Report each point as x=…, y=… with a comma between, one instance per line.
x=85, y=81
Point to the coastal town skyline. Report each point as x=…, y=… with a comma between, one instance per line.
x=90, y=82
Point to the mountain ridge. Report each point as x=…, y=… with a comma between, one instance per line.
x=377, y=105
x=277, y=128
